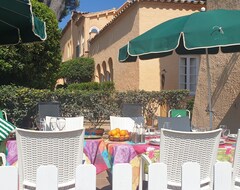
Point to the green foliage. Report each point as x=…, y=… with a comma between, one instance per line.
x=61, y=7
x=33, y=65
x=96, y=106
x=152, y=100
x=89, y=86
x=77, y=70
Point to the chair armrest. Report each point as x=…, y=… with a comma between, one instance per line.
x=146, y=159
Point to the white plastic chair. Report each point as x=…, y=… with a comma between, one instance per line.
x=236, y=164
x=4, y=160
x=178, y=147
x=64, y=149
x=71, y=123
x=122, y=123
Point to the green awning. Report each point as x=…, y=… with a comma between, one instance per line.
x=18, y=24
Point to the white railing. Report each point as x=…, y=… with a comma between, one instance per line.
x=122, y=177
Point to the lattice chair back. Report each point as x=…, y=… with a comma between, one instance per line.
x=64, y=149
x=122, y=123
x=178, y=147
x=236, y=164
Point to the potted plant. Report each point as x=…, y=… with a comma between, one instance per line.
x=97, y=109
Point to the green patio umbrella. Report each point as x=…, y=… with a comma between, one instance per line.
x=5, y=128
x=18, y=24
x=198, y=33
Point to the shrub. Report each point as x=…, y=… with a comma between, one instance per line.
x=77, y=70
x=89, y=86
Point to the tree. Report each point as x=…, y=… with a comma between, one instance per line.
x=77, y=70
x=33, y=65
x=61, y=7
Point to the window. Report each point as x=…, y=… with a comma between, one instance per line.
x=78, y=51
x=188, y=73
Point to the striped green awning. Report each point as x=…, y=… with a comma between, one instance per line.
x=5, y=128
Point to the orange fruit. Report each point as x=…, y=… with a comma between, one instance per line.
x=114, y=132
x=123, y=132
x=110, y=133
x=116, y=136
x=118, y=130
x=126, y=136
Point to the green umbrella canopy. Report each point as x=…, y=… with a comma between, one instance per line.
x=18, y=24
x=190, y=34
x=5, y=129
x=198, y=33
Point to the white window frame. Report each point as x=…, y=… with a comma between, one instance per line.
x=188, y=82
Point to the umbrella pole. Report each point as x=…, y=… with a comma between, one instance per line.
x=209, y=91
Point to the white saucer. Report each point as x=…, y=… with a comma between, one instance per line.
x=155, y=142
x=232, y=136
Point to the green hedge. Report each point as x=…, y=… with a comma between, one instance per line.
x=96, y=106
x=89, y=86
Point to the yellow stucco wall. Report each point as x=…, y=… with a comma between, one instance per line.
x=77, y=31
x=138, y=18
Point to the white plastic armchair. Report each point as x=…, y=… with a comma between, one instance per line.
x=178, y=147
x=122, y=123
x=236, y=164
x=64, y=149
x=3, y=158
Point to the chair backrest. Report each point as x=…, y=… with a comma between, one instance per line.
x=178, y=147
x=122, y=123
x=3, y=115
x=72, y=123
x=179, y=113
x=139, y=120
x=131, y=110
x=64, y=149
x=176, y=123
x=49, y=109
x=236, y=163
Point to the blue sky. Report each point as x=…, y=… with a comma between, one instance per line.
x=94, y=6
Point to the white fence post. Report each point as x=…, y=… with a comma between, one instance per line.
x=122, y=177
x=190, y=176
x=157, y=176
x=222, y=176
x=47, y=178
x=85, y=177
x=8, y=178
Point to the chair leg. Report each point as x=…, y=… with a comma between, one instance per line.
x=140, y=187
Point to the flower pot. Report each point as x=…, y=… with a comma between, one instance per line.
x=94, y=131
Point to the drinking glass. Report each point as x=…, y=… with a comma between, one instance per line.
x=42, y=124
x=61, y=122
x=53, y=123
x=225, y=131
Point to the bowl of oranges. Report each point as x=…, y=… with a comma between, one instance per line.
x=118, y=135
